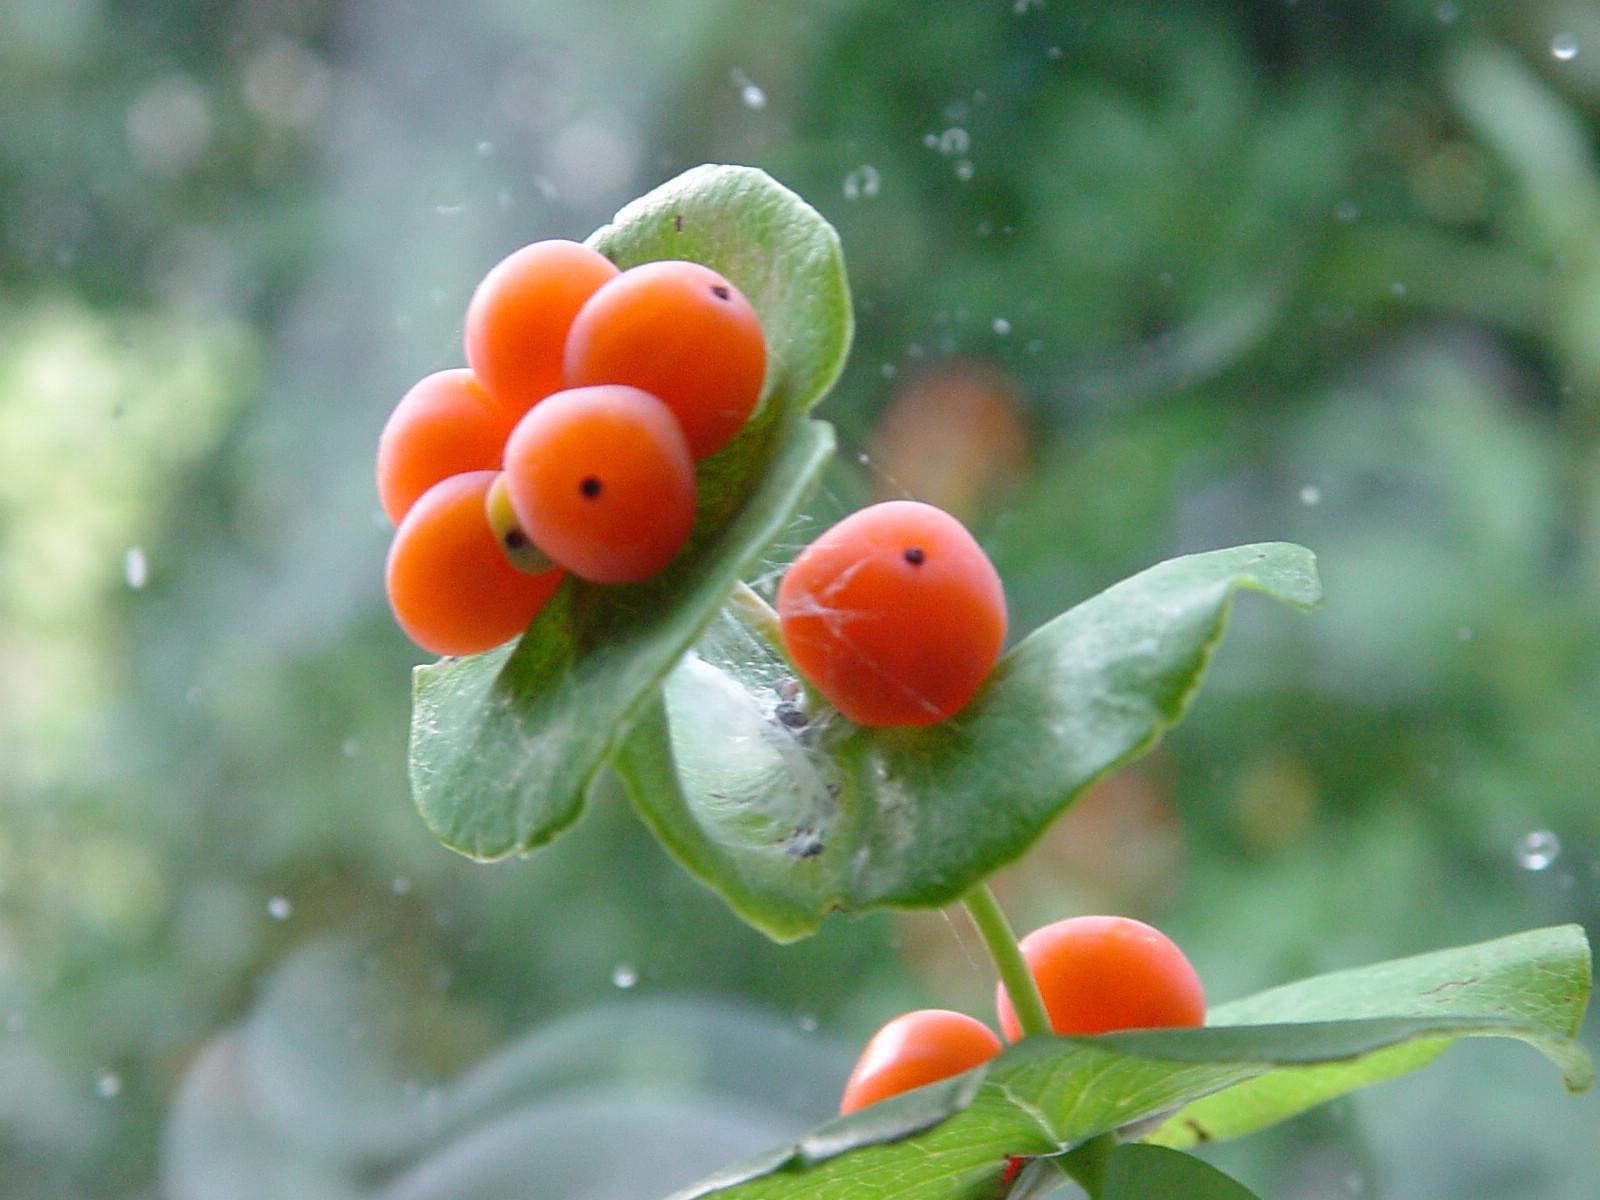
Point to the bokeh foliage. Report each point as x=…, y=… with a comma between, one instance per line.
x=1205, y=274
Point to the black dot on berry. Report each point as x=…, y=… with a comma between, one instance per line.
x=590, y=487
x=915, y=555
x=720, y=292
x=515, y=539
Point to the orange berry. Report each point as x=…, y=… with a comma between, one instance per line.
x=681, y=332
x=517, y=320
x=895, y=614
x=914, y=1049
x=444, y=425
x=450, y=587
x=601, y=479
x=1098, y=974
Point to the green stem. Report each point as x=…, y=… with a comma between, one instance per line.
x=995, y=930
x=1085, y=1164
x=757, y=614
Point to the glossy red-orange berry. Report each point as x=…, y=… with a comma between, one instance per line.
x=1098, y=974
x=681, y=332
x=914, y=1049
x=444, y=425
x=519, y=316
x=895, y=614
x=450, y=586
x=601, y=480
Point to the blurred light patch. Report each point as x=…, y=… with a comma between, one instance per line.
x=1274, y=803
x=99, y=416
x=169, y=125
x=287, y=85
x=954, y=436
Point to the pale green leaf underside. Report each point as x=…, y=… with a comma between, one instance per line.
x=789, y=825
x=504, y=744
x=1046, y=1095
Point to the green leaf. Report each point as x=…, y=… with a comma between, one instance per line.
x=504, y=744
x=1138, y=1172
x=1048, y=1095
x=791, y=824
x=1496, y=973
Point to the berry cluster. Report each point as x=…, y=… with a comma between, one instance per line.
x=567, y=445
x=1095, y=975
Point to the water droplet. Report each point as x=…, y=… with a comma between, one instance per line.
x=862, y=183
x=750, y=95
x=1001, y=326
x=888, y=370
x=964, y=170
x=279, y=908
x=1397, y=288
x=1053, y=52
x=1537, y=850
x=1564, y=47
x=485, y=149
x=1447, y=13
x=449, y=210
x=135, y=568
x=931, y=140
x=107, y=1084
x=863, y=458
x=624, y=975
x=1465, y=634
x=954, y=141
x=1346, y=211
x=808, y=1024
x=1021, y=6
x=401, y=885
x=1310, y=495
x=350, y=747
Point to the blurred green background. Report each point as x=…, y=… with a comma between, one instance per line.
x=1132, y=278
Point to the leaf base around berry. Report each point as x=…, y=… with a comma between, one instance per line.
x=792, y=812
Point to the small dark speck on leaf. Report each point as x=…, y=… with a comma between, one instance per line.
x=791, y=716
x=804, y=843
x=1448, y=984
x=677, y=222
x=1200, y=1132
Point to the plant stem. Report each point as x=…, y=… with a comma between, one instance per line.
x=1085, y=1164
x=757, y=614
x=995, y=930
